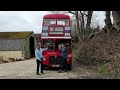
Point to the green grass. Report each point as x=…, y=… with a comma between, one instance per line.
x=105, y=70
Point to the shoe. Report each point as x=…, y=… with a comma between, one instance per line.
x=60, y=71
x=65, y=71
x=37, y=73
x=42, y=73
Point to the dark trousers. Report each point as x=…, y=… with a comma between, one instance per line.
x=64, y=63
x=38, y=65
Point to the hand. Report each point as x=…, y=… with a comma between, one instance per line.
x=55, y=56
x=44, y=47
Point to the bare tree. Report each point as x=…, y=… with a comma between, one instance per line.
x=89, y=17
x=82, y=19
x=116, y=19
x=108, y=22
x=78, y=25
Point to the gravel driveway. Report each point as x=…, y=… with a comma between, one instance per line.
x=27, y=70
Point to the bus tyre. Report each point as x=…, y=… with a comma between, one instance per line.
x=69, y=66
x=44, y=67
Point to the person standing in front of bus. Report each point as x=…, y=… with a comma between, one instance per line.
x=38, y=55
x=64, y=52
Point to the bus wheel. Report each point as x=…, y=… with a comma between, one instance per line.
x=69, y=66
x=45, y=67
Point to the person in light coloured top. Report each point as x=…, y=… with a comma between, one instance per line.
x=38, y=55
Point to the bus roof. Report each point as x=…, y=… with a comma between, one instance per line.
x=56, y=16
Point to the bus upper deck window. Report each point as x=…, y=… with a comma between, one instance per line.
x=63, y=22
x=49, y=22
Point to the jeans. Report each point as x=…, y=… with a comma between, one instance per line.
x=64, y=63
x=38, y=65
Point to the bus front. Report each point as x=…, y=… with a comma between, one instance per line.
x=55, y=31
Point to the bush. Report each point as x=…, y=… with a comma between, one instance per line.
x=103, y=53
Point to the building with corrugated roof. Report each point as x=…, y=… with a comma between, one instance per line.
x=17, y=45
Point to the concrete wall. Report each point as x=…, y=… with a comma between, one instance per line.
x=11, y=45
x=11, y=54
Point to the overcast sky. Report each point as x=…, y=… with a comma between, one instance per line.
x=32, y=20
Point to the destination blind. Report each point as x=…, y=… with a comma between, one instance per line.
x=56, y=30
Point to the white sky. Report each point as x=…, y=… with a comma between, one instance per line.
x=31, y=20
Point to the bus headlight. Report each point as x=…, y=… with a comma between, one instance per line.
x=68, y=59
x=44, y=58
x=55, y=56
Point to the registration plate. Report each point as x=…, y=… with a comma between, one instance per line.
x=55, y=65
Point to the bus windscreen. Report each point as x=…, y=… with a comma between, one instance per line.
x=49, y=21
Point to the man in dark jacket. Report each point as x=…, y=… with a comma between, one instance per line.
x=64, y=53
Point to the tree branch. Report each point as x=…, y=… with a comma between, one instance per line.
x=71, y=12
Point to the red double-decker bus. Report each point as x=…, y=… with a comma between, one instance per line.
x=56, y=29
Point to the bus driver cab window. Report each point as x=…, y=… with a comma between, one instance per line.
x=49, y=43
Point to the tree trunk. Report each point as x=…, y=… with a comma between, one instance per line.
x=108, y=22
x=82, y=23
x=78, y=26
x=116, y=19
x=89, y=17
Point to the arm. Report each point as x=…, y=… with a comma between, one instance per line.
x=43, y=49
x=35, y=53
